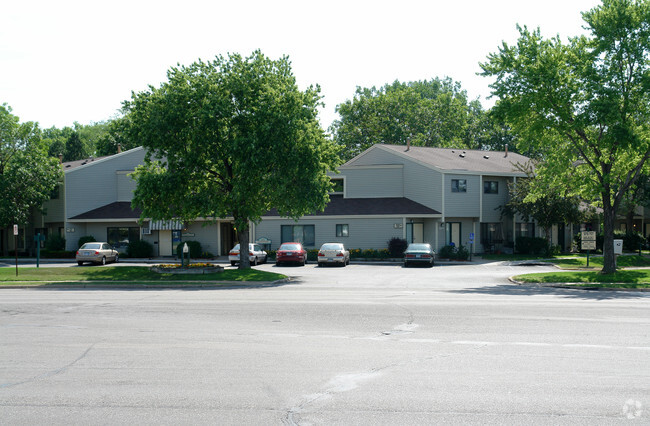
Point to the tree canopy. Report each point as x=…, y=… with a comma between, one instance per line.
x=27, y=174
x=232, y=137
x=584, y=103
x=428, y=113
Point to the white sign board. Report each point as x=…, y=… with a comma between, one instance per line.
x=588, y=235
x=15, y=229
x=588, y=245
x=618, y=246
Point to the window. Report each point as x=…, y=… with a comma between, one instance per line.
x=342, y=230
x=525, y=230
x=338, y=186
x=490, y=187
x=459, y=185
x=491, y=233
x=121, y=237
x=304, y=234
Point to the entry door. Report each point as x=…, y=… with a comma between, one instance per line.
x=165, y=243
x=415, y=232
x=453, y=233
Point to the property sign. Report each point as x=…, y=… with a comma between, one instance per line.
x=588, y=240
x=471, y=238
x=15, y=229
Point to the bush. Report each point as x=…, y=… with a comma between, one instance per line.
x=194, y=246
x=86, y=239
x=312, y=255
x=461, y=253
x=139, y=249
x=57, y=254
x=532, y=245
x=55, y=243
x=631, y=240
x=447, y=252
x=397, y=246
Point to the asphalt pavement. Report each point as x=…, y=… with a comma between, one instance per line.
x=364, y=344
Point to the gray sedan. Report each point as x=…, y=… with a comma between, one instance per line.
x=419, y=253
x=99, y=253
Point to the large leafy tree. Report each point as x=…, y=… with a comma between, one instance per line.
x=428, y=113
x=585, y=103
x=27, y=174
x=232, y=137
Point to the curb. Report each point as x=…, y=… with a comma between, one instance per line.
x=576, y=286
x=148, y=285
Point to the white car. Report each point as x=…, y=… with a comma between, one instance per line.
x=334, y=253
x=255, y=254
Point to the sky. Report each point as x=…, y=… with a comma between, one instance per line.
x=76, y=61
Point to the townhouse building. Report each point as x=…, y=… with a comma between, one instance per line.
x=435, y=195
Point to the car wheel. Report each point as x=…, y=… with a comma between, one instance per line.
x=80, y=263
x=103, y=260
x=232, y=263
x=254, y=262
x=406, y=265
x=117, y=258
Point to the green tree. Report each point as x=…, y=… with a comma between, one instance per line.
x=74, y=148
x=584, y=103
x=27, y=174
x=530, y=198
x=116, y=133
x=429, y=113
x=235, y=138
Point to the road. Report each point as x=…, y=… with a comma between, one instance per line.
x=365, y=344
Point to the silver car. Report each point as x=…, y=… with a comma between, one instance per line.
x=99, y=253
x=334, y=253
x=255, y=254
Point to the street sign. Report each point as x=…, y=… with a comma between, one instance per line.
x=471, y=237
x=15, y=229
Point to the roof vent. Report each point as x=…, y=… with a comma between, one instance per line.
x=462, y=155
x=67, y=165
x=487, y=157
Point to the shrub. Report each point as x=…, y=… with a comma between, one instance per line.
x=194, y=246
x=447, y=252
x=139, y=248
x=397, y=246
x=55, y=243
x=461, y=253
x=312, y=255
x=86, y=239
x=532, y=245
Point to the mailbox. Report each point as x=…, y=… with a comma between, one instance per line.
x=618, y=246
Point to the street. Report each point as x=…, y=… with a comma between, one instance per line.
x=364, y=344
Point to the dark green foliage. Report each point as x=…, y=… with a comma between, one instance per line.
x=54, y=243
x=194, y=246
x=397, y=246
x=139, y=249
x=532, y=245
x=74, y=148
x=86, y=239
x=447, y=252
x=454, y=253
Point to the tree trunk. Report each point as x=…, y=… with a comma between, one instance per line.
x=609, y=261
x=244, y=260
x=629, y=221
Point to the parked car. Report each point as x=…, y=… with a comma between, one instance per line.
x=97, y=252
x=255, y=254
x=419, y=253
x=291, y=253
x=334, y=253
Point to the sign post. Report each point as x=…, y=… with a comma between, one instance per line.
x=16, y=246
x=588, y=242
x=618, y=250
x=38, y=238
x=471, y=245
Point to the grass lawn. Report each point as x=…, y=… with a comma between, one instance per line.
x=123, y=275
x=625, y=261
x=619, y=279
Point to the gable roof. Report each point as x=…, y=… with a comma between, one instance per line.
x=339, y=206
x=455, y=160
x=78, y=164
x=116, y=210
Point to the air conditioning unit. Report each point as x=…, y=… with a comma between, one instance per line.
x=146, y=231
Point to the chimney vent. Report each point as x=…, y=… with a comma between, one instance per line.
x=119, y=148
x=408, y=144
x=506, y=150
x=60, y=158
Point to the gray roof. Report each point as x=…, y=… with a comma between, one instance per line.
x=466, y=160
x=116, y=210
x=339, y=206
x=69, y=165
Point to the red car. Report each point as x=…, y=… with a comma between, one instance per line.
x=291, y=253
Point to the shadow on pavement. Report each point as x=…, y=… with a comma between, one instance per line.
x=535, y=290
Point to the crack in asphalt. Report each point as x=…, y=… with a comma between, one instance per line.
x=51, y=372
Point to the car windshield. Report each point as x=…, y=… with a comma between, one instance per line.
x=332, y=247
x=91, y=246
x=235, y=248
x=418, y=247
x=289, y=247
